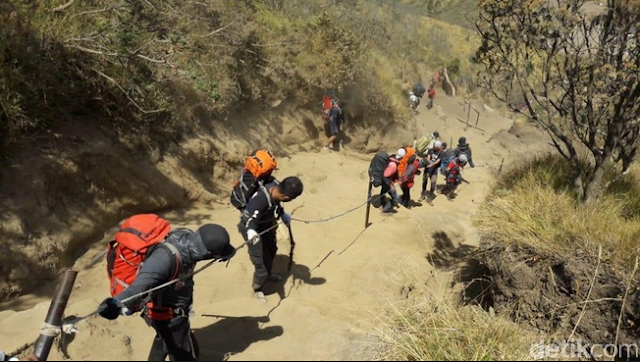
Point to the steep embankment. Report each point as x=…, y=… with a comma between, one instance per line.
x=112, y=107
x=343, y=279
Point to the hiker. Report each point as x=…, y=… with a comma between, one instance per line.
x=333, y=123
x=390, y=177
x=383, y=172
x=414, y=101
x=454, y=176
x=173, y=257
x=425, y=143
x=258, y=224
x=448, y=154
x=407, y=179
x=464, y=148
x=431, y=93
x=431, y=165
x=257, y=171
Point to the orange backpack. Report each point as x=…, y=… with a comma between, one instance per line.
x=404, y=162
x=257, y=170
x=261, y=163
x=128, y=251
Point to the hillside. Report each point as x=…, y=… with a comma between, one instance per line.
x=111, y=108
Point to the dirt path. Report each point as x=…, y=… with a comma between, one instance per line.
x=343, y=279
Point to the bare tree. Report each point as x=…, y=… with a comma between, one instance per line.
x=575, y=72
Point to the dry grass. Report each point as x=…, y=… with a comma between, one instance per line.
x=535, y=206
x=440, y=329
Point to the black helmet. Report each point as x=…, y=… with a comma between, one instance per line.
x=216, y=239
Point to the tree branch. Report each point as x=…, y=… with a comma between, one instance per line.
x=63, y=6
x=220, y=29
x=127, y=94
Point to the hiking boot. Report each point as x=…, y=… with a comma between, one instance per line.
x=326, y=148
x=260, y=295
x=275, y=277
x=389, y=211
x=423, y=196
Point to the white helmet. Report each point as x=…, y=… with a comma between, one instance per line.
x=401, y=153
x=437, y=144
x=463, y=158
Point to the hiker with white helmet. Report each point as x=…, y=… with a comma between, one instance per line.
x=463, y=148
x=431, y=165
x=454, y=177
x=414, y=101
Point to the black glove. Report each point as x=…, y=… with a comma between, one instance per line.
x=110, y=308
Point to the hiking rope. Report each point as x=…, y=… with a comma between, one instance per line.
x=68, y=325
x=49, y=330
x=372, y=199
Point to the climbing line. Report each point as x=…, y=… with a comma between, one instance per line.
x=372, y=199
x=68, y=325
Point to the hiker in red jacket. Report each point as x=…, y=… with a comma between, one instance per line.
x=431, y=93
x=454, y=177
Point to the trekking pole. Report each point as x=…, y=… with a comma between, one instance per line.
x=51, y=325
x=366, y=218
x=293, y=246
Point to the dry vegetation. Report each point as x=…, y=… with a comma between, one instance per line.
x=536, y=206
x=440, y=329
x=156, y=66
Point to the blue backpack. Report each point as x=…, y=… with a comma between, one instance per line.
x=448, y=156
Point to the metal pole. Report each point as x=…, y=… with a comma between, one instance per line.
x=477, y=118
x=366, y=218
x=54, y=315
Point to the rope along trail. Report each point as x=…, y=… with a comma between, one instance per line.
x=372, y=199
x=68, y=325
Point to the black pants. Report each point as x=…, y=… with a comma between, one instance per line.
x=262, y=255
x=406, y=194
x=430, y=175
x=173, y=338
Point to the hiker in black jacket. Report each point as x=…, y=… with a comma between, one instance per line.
x=169, y=312
x=464, y=148
x=258, y=224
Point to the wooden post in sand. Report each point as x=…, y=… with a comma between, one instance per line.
x=52, y=323
x=366, y=218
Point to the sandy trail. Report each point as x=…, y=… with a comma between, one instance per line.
x=343, y=278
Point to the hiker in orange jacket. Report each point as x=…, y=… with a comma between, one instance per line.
x=407, y=179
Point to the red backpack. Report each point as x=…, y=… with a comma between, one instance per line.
x=128, y=251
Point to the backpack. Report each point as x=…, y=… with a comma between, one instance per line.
x=378, y=164
x=328, y=102
x=133, y=241
x=448, y=156
x=404, y=162
x=419, y=89
x=257, y=171
x=423, y=142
